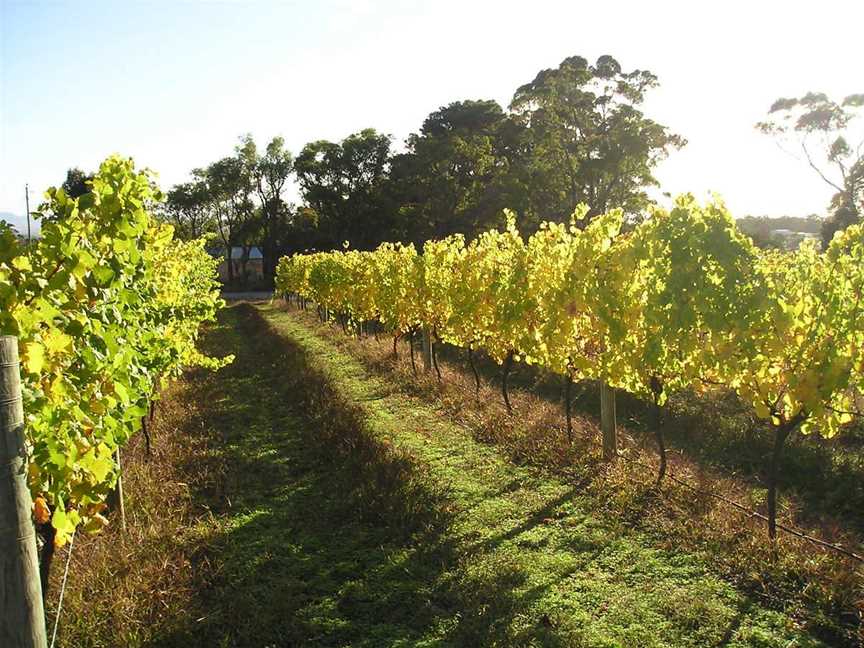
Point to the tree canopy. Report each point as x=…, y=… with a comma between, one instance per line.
x=187, y=208
x=76, y=183
x=575, y=134
x=343, y=182
x=461, y=170
x=835, y=156
x=589, y=141
x=268, y=173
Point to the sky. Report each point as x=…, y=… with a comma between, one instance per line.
x=175, y=83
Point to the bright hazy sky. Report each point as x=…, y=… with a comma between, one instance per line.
x=174, y=84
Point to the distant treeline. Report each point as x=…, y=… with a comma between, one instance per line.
x=574, y=134
x=764, y=229
x=757, y=225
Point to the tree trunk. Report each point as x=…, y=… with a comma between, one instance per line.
x=146, y=430
x=268, y=252
x=474, y=369
x=433, y=343
x=230, y=266
x=781, y=433
x=661, y=441
x=395, y=351
x=115, y=498
x=46, y=556
x=508, y=364
x=568, y=406
x=244, y=262
x=411, y=346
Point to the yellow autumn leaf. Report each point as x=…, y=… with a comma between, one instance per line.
x=57, y=389
x=762, y=410
x=34, y=357
x=57, y=342
x=41, y=512
x=22, y=263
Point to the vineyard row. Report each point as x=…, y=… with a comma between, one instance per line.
x=681, y=300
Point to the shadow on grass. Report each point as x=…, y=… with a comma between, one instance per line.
x=325, y=536
x=740, y=557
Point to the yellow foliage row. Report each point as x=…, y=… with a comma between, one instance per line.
x=105, y=305
x=682, y=300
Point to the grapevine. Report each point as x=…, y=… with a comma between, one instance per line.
x=683, y=300
x=106, y=306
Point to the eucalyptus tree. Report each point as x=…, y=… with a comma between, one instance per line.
x=343, y=182
x=269, y=173
x=589, y=141
x=460, y=171
x=229, y=190
x=187, y=207
x=836, y=156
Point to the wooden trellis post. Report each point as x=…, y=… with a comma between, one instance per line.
x=607, y=422
x=22, y=617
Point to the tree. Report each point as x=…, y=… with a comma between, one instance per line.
x=76, y=183
x=839, y=163
x=301, y=232
x=187, y=207
x=589, y=142
x=9, y=235
x=229, y=196
x=847, y=207
x=460, y=171
x=762, y=229
x=269, y=173
x=343, y=183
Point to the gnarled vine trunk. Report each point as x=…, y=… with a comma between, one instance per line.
x=474, y=369
x=508, y=365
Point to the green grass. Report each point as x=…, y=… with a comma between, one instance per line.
x=343, y=511
x=525, y=563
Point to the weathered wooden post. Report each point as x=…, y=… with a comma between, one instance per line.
x=427, y=350
x=22, y=617
x=607, y=422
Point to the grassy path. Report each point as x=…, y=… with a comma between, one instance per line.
x=323, y=506
x=529, y=565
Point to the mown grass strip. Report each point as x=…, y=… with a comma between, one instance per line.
x=537, y=566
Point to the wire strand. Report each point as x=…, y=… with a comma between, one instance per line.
x=62, y=590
